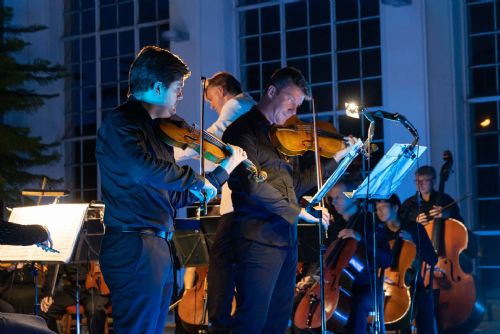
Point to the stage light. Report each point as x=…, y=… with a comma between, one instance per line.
x=352, y=109
x=485, y=123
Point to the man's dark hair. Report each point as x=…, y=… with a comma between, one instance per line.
x=426, y=170
x=225, y=80
x=393, y=201
x=286, y=76
x=154, y=64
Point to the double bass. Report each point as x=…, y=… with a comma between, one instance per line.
x=457, y=306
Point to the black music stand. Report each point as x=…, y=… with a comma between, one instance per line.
x=87, y=249
x=381, y=183
x=193, y=239
x=354, y=151
x=389, y=172
x=88, y=244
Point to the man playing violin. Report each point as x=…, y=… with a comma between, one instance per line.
x=224, y=94
x=142, y=187
x=388, y=213
x=264, y=233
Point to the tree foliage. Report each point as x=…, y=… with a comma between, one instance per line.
x=20, y=152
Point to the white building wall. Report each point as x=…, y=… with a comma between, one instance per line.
x=211, y=47
x=421, y=56
x=421, y=53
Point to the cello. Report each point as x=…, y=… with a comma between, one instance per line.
x=192, y=307
x=397, y=299
x=457, y=308
x=344, y=260
x=95, y=280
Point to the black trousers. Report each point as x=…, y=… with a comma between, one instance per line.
x=265, y=281
x=221, y=278
x=138, y=269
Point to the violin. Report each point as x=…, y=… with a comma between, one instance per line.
x=175, y=131
x=296, y=137
x=457, y=304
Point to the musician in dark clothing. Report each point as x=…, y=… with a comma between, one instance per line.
x=93, y=302
x=266, y=214
x=23, y=235
x=387, y=212
x=362, y=298
x=423, y=209
x=142, y=187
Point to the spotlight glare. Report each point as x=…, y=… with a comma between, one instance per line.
x=352, y=109
x=485, y=123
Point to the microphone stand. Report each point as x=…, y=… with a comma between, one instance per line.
x=376, y=324
x=409, y=153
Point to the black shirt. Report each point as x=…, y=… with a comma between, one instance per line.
x=425, y=250
x=142, y=186
x=363, y=224
x=267, y=212
x=410, y=208
x=22, y=235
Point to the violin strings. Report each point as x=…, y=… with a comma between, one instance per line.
x=323, y=133
x=214, y=140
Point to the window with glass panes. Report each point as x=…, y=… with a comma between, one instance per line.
x=101, y=38
x=483, y=31
x=336, y=45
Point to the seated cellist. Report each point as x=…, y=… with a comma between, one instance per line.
x=388, y=212
x=348, y=210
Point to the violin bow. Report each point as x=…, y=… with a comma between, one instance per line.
x=317, y=157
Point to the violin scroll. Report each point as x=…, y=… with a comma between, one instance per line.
x=255, y=174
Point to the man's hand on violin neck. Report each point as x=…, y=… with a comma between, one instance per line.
x=350, y=140
x=237, y=156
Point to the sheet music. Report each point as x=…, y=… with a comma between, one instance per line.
x=339, y=171
x=64, y=222
x=388, y=174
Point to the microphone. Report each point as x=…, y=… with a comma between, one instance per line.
x=353, y=110
x=397, y=118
